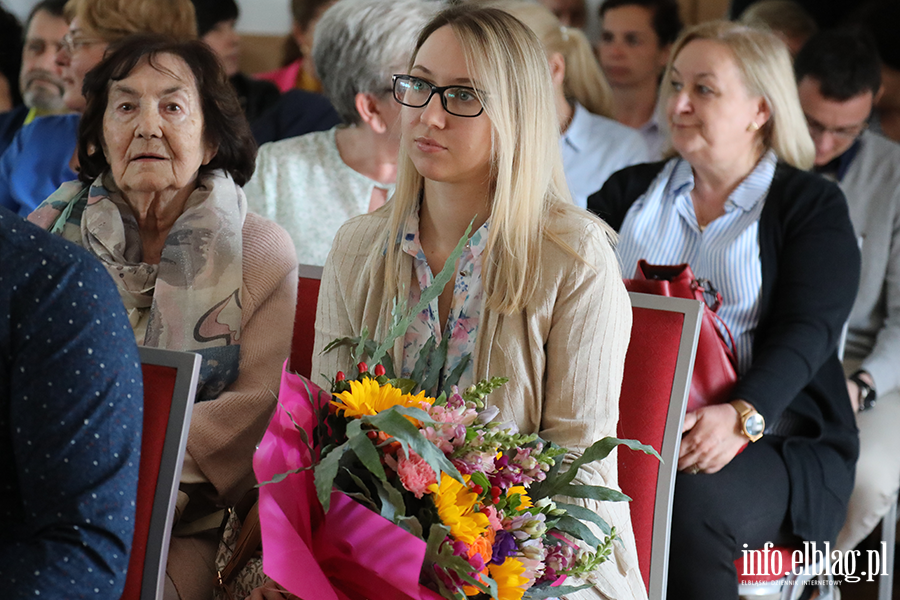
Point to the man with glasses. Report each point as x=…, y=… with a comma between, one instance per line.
x=40, y=79
x=839, y=81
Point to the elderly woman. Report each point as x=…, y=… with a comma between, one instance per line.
x=736, y=204
x=164, y=150
x=42, y=155
x=313, y=183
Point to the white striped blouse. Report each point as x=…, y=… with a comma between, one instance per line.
x=661, y=227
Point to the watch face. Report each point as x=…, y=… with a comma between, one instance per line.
x=754, y=425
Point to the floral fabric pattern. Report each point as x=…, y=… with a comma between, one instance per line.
x=465, y=307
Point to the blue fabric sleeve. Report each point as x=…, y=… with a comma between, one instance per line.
x=70, y=421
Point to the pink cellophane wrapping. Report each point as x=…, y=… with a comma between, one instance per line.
x=350, y=553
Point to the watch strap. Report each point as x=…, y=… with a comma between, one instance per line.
x=867, y=394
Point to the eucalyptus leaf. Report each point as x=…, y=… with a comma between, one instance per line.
x=576, y=528
x=282, y=476
x=553, y=592
x=595, y=452
x=365, y=450
x=418, y=372
x=435, y=365
x=412, y=525
x=593, y=492
x=326, y=471
x=392, y=505
x=585, y=514
x=456, y=373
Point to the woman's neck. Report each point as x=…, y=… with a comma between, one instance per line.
x=447, y=209
x=714, y=183
x=368, y=153
x=634, y=106
x=155, y=214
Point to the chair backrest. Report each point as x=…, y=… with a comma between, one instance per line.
x=305, y=319
x=170, y=383
x=655, y=389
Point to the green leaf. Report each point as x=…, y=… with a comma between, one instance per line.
x=479, y=478
x=593, y=492
x=585, y=514
x=418, y=372
x=595, y=452
x=392, y=505
x=455, y=374
x=436, y=365
x=365, y=450
x=393, y=423
x=428, y=294
x=576, y=528
x=282, y=476
x=406, y=386
x=357, y=352
x=326, y=471
x=553, y=592
x=411, y=524
x=388, y=364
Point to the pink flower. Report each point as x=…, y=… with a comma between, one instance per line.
x=415, y=474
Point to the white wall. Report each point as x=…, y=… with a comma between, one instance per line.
x=257, y=16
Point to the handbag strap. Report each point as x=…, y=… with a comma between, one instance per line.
x=246, y=546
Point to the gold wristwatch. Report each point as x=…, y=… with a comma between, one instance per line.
x=752, y=423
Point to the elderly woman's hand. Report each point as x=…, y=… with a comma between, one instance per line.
x=713, y=438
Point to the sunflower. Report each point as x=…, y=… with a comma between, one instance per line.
x=510, y=582
x=455, y=504
x=367, y=397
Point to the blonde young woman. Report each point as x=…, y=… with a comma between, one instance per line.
x=538, y=296
x=593, y=145
x=736, y=203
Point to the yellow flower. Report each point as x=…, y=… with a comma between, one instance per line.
x=510, y=582
x=456, y=507
x=366, y=397
x=525, y=501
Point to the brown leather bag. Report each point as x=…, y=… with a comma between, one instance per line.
x=715, y=367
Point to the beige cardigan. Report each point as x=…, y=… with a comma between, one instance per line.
x=225, y=431
x=564, y=354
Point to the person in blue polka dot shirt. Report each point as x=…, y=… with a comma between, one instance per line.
x=70, y=420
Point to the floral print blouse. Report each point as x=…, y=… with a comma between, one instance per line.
x=465, y=307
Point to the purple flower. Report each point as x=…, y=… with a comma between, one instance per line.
x=504, y=545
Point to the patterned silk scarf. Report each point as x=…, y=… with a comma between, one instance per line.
x=191, y=300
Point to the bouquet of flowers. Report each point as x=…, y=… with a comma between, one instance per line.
x=380, y=491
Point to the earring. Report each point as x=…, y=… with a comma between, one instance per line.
x=753, y=126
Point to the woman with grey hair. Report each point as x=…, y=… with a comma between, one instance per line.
x=312, y=183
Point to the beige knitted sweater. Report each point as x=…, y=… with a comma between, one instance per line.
x=225, y=431
x=564, y=354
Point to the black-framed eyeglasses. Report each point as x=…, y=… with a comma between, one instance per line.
x=458, y=100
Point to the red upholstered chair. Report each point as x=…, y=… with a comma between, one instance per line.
x=170, y=382
x=305, y=319
x=658, y=368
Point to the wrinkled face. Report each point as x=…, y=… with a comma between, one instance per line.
x=153, y=128
x=41, y=78
x=709, y=109
x=445, y=147
x=84, y=50
x=571, y=13
x=833, y=125
x=629, y=48
x=226, y=43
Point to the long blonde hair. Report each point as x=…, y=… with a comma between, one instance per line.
x=509, y=65
x=765, y=65
x=584, y=81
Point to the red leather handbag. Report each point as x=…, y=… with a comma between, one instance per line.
x=715, y=367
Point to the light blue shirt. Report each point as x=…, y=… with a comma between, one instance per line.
x=661, y=227
x=593, y=148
